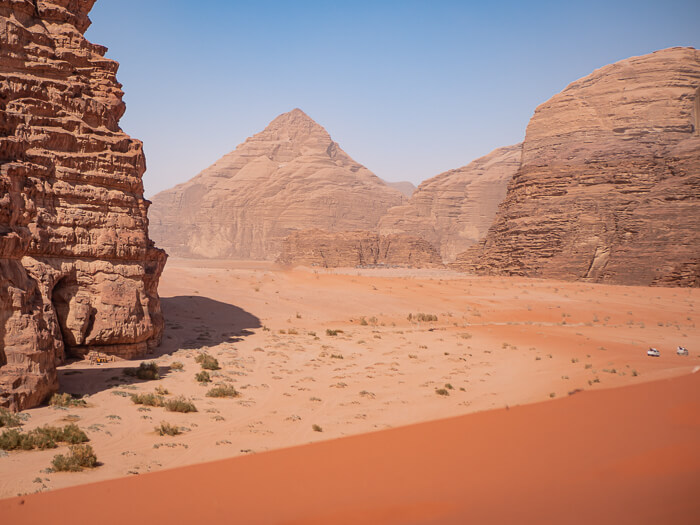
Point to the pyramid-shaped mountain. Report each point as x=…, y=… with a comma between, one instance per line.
x=287, y=178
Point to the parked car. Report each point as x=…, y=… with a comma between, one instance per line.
x=653, y=352
x=682, y=351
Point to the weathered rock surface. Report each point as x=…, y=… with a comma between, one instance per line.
x=77, y=269
x=358, y=248
x=455, y=209
x=289, y=177
x=609, y=185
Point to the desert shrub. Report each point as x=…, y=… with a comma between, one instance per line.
x=161, y=391
x=180, y=404
x=293, y=331
x=337, y=356
x=73, y=435
x=207, y=362
x=8, y=419
x=222, y=391
x=331, y=332
x=316, y=428
x=203, y=377
x=442, y=392
x=177, y=365
x=145, y=371
x=422, y=318
x=78, y=458
x=448, y=386
x=363, y=321
x=166, y=429
x=12, y=440
x=41, y=438
x=66, y=400
x=151, y=400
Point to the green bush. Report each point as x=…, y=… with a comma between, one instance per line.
x=41, y=437
x=203, y=377
x=442, y=392
x=151, y=400
x=166, y=429
x=146, y=371
x=78, y=458
x=8, y=419
x=180, y=404
x=222, y=391
x=332, y=332
x=66, y=400
x=207, y=362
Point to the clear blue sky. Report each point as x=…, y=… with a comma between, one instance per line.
x=408, y=88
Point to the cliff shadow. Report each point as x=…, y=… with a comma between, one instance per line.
x=191, y=323
x=90, y=379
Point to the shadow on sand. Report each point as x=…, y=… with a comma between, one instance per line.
x=191, y=322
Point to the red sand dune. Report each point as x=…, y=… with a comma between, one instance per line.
x=627, y=455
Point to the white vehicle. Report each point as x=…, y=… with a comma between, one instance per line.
x=653, y=352
x=682, y=351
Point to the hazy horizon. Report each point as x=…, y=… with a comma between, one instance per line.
x=407, y=89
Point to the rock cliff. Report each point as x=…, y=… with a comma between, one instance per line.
x=455, y=209
x=608, y=189
x=77, y=269
x=358, y=248
x=289, y=177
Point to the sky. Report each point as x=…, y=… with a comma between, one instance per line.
x=408, y=88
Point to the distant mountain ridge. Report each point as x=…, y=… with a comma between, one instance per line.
x=291, y=176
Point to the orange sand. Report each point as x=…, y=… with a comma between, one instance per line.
x=627, y=455
x=498, y=342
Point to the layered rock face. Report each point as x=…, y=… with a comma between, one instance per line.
x=609, y=185
x=289, y=177
x=358, y=248
x=455, y=209
x=77, y=269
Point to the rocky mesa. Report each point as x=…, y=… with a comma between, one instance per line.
x=290, y=177
x=608, y=189
x=358, y=248
x=455, y=209
x=77, y=269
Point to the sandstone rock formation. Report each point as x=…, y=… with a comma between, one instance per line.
x=405, y=187
x=358, y=248
x=77, y=270
x=455, y=209
x=609, y=185
x=289, y=177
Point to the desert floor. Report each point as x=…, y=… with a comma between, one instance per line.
x=498, y=342
x=611, y=456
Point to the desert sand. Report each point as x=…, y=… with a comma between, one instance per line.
x=498, y=342
x=623, y=455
